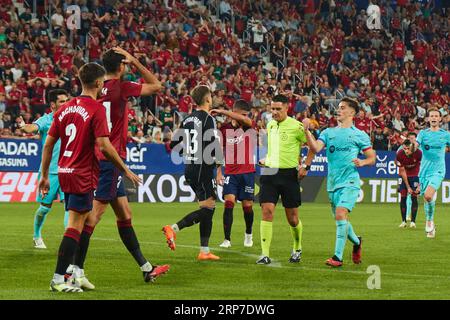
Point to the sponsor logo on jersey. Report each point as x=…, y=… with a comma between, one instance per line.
x=333, y=149
x=428, y=147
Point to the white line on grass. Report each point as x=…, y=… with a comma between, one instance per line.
x=276, y=264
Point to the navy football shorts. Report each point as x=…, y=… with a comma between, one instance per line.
x=240, y=185
x=110, y=183
x=413, y=183
x=79, y=202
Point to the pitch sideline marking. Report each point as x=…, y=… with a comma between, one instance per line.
x=276, y=264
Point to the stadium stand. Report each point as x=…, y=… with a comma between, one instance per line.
x=315, y=52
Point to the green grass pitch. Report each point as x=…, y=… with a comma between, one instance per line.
x=412, y=266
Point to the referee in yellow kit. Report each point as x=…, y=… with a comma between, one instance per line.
x=280, y=177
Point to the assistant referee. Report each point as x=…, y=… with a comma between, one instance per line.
x=279, y=177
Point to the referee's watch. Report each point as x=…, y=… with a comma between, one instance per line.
x=306, y=166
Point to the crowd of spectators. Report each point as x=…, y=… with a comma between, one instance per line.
x=313, y=51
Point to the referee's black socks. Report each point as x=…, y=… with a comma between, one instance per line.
x=206, y=225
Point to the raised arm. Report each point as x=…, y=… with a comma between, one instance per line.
x=314, y=145
x=246, y=121
x=28, y=128
x=152, y=84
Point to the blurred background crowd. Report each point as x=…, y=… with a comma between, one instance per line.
x=313, y=51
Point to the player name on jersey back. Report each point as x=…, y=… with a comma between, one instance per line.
x=74, y=109
x=197, y=139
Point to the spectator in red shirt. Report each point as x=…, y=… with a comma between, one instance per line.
x=185, y=103
x=247, y=91
x=419, y=50
x=399, y=51
x=13, y=97
x=65, y=60
x=37, y=87
x=194, y=49
x=362, y=122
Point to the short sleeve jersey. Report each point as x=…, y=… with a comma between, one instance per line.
x=433, y=144
x=343, y=145
x=201, y=145
x=115, y=95
x=239, y=146
x=284, y=140
x=44, y=124
x=78, y=123
x=410, y=163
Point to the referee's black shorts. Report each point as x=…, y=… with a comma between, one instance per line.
x=203, y=189
x=285, y=184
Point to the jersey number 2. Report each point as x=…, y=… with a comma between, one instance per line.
x=71, y=132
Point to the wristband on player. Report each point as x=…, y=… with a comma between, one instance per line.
x=306, y=166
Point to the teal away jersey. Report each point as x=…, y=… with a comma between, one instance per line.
x=343, y=145
x=433, y=144
x=44, y=124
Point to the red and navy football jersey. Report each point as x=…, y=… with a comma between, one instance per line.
x=78, y=123
x=115, y=95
